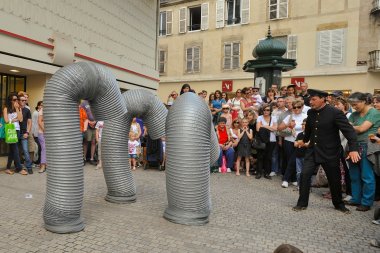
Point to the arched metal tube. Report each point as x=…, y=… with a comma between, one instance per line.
x=142, y=104
x=191, y=147
x=64, y=192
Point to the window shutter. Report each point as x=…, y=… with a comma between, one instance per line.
x=162, y=61
x=169, y=22
x=324, y=48
x=227, y=56
x=219, y=13
x=204, y=19
x=245, y=11
x=283, y=9
x=189, y=59
x=236, y=55
x=196, y=59
x=182, y=20
x=337, y=43
x=292, y=47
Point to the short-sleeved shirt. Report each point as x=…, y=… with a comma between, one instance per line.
x=372, y=116
x=300, y=152
x=132, y=147
x=264, y=123
x=99, y=125
x=217, y=104
x=298, y=119
x=40, y=114
x=25, y=117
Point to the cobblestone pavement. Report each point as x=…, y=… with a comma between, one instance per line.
x=248, y=215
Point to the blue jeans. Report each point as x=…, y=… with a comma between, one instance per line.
x=229, y=153
x=291, y=156
x=276, y=159
x=25, y=149
x=299, y=166
x=362, y=179
x=13, y=155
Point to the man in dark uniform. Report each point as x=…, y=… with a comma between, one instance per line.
x=322, y=132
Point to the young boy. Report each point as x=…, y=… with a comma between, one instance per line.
x=132, y=149
x=300, y=153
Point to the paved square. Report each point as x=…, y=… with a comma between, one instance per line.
x=248, y=215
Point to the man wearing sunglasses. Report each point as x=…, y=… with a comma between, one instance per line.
x=25, y=127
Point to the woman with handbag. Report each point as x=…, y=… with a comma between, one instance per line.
x=264, y=156
x=13, y=115
x=366, y=121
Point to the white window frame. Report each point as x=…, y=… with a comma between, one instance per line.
x=331, y=47
x=162, y=61
x=168, y=23
x=194, y=60
x=231, y=57
x=280, y=6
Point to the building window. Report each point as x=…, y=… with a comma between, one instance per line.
x=278, y=9
x=162, y=57
x=231, y=59
x=235, y=11
x=291, y=45
x=331, y=47
x=193, y=59
x=193, y=18
x=166, y=22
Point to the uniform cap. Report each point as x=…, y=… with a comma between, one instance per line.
x=317, y=93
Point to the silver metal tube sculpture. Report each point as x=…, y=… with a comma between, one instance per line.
x=64, y=193
x=142, y=104
x=191, y=147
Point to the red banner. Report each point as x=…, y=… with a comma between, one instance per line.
x=227, y=85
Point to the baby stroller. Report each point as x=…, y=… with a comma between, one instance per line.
x=154, y=154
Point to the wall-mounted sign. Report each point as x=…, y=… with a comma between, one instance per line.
x=297, y=81
x=227, y=85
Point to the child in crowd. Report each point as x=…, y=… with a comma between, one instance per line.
x=244, y=147
x=99, y=129
x=300, y=153
x=132, y=149
x=226, y=114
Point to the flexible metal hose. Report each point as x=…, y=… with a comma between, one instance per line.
x=142, y=104
x=191, y=147
x=64, y=191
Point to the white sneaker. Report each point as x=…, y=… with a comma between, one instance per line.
x=272, y=174
x=347, y=198
x=220, y=170
x=376, y=222
x=285, y=184
x=228, y=170
x=295, y=183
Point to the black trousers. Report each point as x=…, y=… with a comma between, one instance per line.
x=332, y=170
x=264, y=159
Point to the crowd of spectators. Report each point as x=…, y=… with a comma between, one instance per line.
x=278, y=119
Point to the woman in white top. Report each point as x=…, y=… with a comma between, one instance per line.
x=234, y=103
x=294, y=123
x=12, y=114
x=35, y=129
x=266, y=120
x=41, y=139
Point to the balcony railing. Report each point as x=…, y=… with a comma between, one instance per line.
x=374, y=61
x=375, y=7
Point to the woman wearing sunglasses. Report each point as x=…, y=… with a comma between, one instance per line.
x=293, y=122
x=12, y=114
